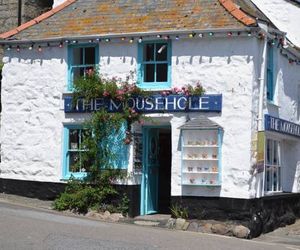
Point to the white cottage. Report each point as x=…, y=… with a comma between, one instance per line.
x=233, y=153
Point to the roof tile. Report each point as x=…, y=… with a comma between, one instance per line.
x=93, y=17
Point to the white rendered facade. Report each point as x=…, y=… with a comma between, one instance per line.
x=33, y=109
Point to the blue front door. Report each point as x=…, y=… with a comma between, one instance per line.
x=149, y=202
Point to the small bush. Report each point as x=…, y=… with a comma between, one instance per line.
x=179, y=212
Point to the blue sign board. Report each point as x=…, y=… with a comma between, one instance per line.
x=281, y=126
x=150, y=104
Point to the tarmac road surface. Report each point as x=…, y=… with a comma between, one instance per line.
x=26, y=228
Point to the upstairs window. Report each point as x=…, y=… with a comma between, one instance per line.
x=270, y=73
x=82, y=59
x=154, y=65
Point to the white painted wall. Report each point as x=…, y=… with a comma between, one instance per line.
x=31, y=130
x=57, y=2
x=284, y=14
x=33, y=116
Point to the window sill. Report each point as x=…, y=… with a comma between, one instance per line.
x=272, y=103
x=154, y=86
x=273, y=193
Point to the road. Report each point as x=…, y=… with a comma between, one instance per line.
x=25, y=228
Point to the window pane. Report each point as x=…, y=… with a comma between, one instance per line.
x=149, y=72
x=85, y=133
x=78, y=72
x=90, y=56
x=162, y=72
x=74, y=165
x=73, y=139
x=275, y=179
x=279, y=179
x=275, y=154
x=77, y=56
x=161, y=52
x=85, y=164
x=267, y=181
x=268, y=152
x=148, y=52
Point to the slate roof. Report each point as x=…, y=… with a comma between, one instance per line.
x=202, y=122
x=77, y=18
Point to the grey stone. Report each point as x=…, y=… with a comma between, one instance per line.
x=193, y=226
x=241, y=231
x=91, y=214
x=171, y=223
x=180, y=223
x=185, y=226
x=206, y=228
x=146, y=223
x=115, y=217
x=106, y=215
x=220, y=229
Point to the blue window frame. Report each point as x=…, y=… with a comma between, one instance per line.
x=81, y=59
x=270, y=73
x=73, y=148
x=154, y=65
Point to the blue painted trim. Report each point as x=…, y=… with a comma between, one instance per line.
x=70, y=60
x=140, y=68
x=144, y=195
x=66, y=160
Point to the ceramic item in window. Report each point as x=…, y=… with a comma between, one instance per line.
x=214, y=156
x=204, y=155
x=74, y=145
x=213, y=142
x=215, y=169
x=199, y=169
x=206, y=168
x=192, y=180
x=190, y=169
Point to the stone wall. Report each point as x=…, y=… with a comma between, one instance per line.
x=259, y=215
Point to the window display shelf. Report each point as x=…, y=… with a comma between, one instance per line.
x=200, y=158
x=200, y=146
x=201, y=185
x=187, y=172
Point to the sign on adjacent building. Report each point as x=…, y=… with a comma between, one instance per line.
x=281, y=126
x=151, y=104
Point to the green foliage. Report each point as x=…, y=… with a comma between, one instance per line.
x=124, y=205
x=179, y=212
x=81, y=195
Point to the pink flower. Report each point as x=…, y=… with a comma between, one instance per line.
x=176, y=90
x=120, y=92
x=141, y=122
x=164, y=93
x=105, y=93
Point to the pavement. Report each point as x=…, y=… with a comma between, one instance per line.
x=288, y=236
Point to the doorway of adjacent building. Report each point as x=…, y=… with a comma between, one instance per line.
x=156, y=175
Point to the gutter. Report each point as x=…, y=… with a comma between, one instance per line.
x=136, y=34
x=262, y=81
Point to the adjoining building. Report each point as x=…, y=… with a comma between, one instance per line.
x=232, y=153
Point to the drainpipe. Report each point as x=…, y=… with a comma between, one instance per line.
x=19, y=12
x=262, y=80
